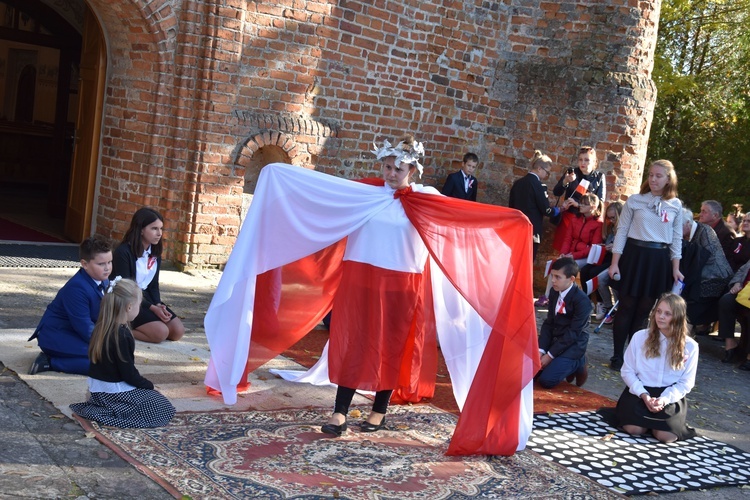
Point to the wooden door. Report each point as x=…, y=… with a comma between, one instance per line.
x=83, y=173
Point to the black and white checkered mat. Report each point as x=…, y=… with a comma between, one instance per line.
x=585, y=444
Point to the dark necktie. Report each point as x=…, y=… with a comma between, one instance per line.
x=101, y=288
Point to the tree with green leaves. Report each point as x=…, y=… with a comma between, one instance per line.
x=702, y=115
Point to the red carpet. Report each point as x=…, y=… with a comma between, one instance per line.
x=564, y=398
x=10, y=231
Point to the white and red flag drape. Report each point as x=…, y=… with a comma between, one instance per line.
x=285, y=268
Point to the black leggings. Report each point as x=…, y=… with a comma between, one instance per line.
x=632, y=313
x=344, y=397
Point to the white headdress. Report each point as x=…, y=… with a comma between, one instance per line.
x=410, y=156
x=113, y=284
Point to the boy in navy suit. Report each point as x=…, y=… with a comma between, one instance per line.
x=65, y=328
x=463, y=184
x=564, y=338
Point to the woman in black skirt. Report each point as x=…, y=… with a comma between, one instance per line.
x=659, y=370
x=646, y=252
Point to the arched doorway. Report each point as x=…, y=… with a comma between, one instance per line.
x=52, y=47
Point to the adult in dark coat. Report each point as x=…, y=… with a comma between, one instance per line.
x=564, y=336
x=712, y=214
x=463, y=184
x=529, y=195
x=64, y=331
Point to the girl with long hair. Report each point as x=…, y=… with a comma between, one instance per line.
x=659, y=370
x=646, y=252
x=139, y=258
x=120, y=396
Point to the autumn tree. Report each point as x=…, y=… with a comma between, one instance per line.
x=702, y=116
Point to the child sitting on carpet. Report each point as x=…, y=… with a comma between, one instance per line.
x=659, y=370
x=120, y=396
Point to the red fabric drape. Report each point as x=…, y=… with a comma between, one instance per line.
x=467, y=240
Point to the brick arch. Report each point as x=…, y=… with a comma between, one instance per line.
x=140, y=38
x=267, y=138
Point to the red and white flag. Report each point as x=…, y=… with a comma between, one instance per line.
x=547, y=267
x=592, y=285
x=596, y=255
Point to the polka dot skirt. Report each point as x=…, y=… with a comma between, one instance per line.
x=138, y=408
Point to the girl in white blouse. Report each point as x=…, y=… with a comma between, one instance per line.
x=659, y=370
x=646, y=252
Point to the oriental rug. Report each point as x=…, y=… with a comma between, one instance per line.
x=563, y=398
x=585, y=444
x=282, y=454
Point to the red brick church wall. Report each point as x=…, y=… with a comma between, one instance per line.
x=196, y=88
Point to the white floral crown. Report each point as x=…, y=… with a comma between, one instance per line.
x=410, y=156
x=113, y=283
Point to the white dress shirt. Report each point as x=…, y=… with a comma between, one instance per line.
x=639, y=372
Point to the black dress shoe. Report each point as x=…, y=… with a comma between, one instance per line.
x=333, y=429
x=615, y=364
x=745, y=366
x=40, y=364
x=582, y=376
x=729, y=355
x=368, y=427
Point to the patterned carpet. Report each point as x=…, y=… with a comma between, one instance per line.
x=282, y=454
x=586, y=445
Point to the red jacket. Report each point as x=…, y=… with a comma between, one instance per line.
x=581, y=234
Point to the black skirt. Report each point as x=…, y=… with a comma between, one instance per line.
x=645, y=272
x=148, y=316
x=631, y=410
x=139, y=408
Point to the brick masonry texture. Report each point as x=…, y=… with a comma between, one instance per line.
x=197, y=90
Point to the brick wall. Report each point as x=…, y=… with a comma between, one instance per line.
x=196, y=88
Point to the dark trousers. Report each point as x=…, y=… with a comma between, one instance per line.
x=558, y=370
x=632, y=313
x=730, y=311
x=344, y=397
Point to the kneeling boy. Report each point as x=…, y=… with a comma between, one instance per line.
x=65, y=329
x=564, y=338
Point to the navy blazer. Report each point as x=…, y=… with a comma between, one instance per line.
x=529, y=195
x=67, y=323
x=123, y=264
x=566, y=334
x=454, y=187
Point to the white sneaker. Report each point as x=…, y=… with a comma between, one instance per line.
x=601, y=311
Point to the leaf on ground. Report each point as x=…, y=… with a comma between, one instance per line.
x=35, y=414
x=90, y=435
x=195, y=358
x=262, y=377
x=57, y=416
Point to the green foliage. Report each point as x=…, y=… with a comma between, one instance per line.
x=702, y=116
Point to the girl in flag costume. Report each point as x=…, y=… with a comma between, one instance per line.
x=400, y=264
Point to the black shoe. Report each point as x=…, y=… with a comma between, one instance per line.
x=570, y=378
x=729, y=355
x=333, y=429
x=582, y=376
x=368, y=427
x=615, y=364
x=745, y=366
x=40, y=364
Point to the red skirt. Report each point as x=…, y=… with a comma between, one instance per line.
x=377, y=329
